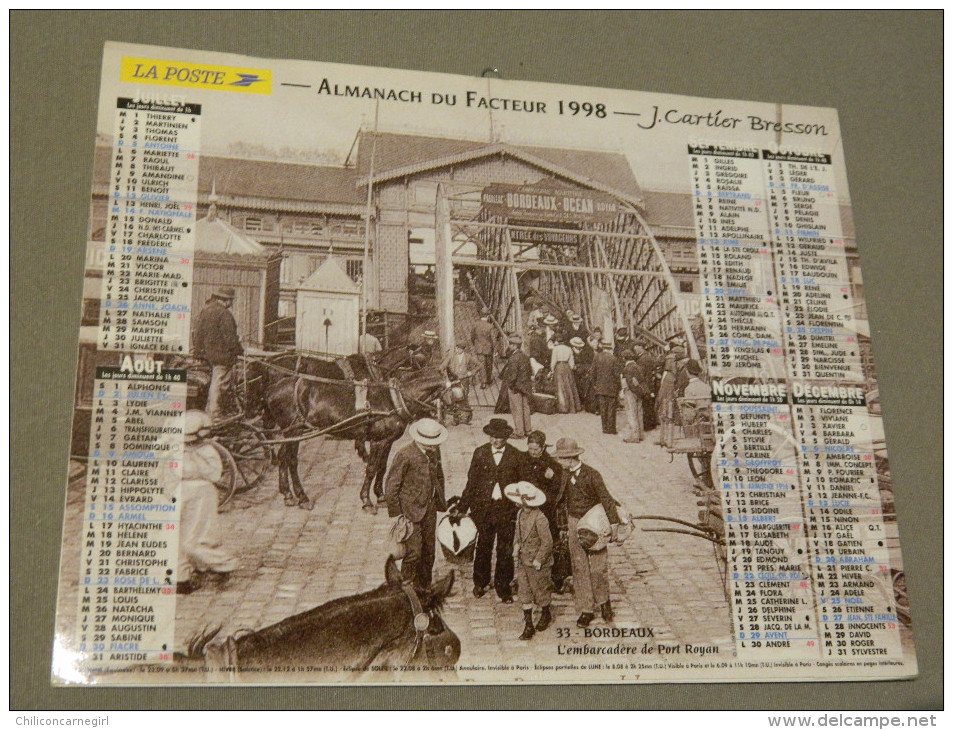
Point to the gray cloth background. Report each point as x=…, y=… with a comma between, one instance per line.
x=882, y=70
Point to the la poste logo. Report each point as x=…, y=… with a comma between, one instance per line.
x=195, y=75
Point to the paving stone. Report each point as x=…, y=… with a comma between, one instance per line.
x=293, y=560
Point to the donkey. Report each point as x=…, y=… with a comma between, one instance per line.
x=395, y=625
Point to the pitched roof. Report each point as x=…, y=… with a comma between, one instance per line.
x=217, y=236
x=279, y=180
x=396, y=155
x=329, y=277
x=263, y=183
x=670, y=210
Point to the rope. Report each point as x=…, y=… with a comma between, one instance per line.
x=306, y=376
x=340, y=424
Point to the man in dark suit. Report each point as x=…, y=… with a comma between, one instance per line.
x=494, y=465
x=606, y=383
x=517, y=378
x=415, y=490
x=582, y=488
x=215, y=339
x=621, y=342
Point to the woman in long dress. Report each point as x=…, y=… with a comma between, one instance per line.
x=562, y=363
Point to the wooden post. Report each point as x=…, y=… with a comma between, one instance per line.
x=514, y=284
x=444, y=273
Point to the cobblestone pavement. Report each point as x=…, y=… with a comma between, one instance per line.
x=665, y=584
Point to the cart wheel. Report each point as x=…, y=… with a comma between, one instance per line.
x=699, y=463
x=250, y=454
x=241, y=383
x=226, y=484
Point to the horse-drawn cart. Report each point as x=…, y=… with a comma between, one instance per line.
x=286, y=398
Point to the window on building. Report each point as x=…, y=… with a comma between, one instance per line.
x=686, y=287
x=355, y=269
x=259, y=223
x=307, y=227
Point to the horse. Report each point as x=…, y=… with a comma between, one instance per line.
x=394, y=625
x=348, y=405
x=252, y=376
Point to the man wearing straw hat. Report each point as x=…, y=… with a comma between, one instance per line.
x=576, y=328
x=582, y=489
x=215, y=340
x=414, y=490
x=427, y=353
x=551, y=324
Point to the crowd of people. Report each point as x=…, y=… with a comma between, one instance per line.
x=532, y=509
x=562, y=367
x=527, y=506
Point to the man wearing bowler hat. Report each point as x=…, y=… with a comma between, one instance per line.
x=493, y=466
x=215, y=340
x=414, y=489
x=582, y=488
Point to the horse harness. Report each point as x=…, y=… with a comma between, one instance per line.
x=223, y=655
x=361, y=388
x=421, y=617
x=434, y=645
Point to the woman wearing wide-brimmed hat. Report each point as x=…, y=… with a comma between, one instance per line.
x=415, y=492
